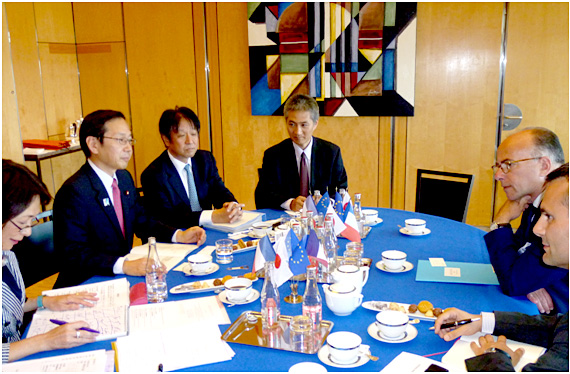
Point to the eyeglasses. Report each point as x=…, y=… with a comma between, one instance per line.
x=123, y=141
x=506, y=165
x=35, y=222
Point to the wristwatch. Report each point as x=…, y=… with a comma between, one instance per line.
x=40, y=302
x=496, y=225
x=493, y=349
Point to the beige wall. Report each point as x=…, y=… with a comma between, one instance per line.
x=133, y=57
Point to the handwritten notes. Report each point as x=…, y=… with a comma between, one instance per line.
x=91, y=361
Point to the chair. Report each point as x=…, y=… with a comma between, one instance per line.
x=36, y=256
x=443, y=194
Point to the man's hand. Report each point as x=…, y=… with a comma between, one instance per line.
x=542, y=300
x=229, y=213
x=512, y=209
x=297, y=204
x=488, y=341
x=453, y=315
x=135, y=267
x=192, y=235
x=70, y=302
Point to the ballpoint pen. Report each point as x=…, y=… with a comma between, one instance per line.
x=456, y=323
x=238, y=267
x=58, y=322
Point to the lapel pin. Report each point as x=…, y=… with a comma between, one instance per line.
x=127, y=192
x=106, y=201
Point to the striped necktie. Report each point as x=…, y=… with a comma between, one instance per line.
x=192, y=194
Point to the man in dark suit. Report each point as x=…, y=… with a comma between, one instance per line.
x=550, y=332
x=97, y=210
x=183, y=183
x=300, y=165
x=524, y=159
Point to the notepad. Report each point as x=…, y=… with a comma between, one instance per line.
x=247, y=219
x=456, y=272
x=91, y=361
x=169, y=253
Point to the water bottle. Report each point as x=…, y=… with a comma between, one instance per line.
x=156, y=288
x=270, y=304
x=330, y=245
x=358, y=213
x=317, y=196
x=312, y=301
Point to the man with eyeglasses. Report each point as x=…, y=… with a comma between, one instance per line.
x=524, y=159
x=97, y=210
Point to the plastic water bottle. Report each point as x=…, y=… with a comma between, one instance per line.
x=312, y=301
x=156, y=288
x=358, y=213
x=270, y=304
x=330, y=245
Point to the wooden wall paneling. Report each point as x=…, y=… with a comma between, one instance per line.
x=537, y=69
x=54, y=22
x=160, y=58
x=457, y=77
x=11, y=138
x=27, y=75
x=400, y=182
x=98, y=22
x=384, y=162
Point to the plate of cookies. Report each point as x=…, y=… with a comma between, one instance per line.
x=424, y=310
x=244, y=246
x=208, y=284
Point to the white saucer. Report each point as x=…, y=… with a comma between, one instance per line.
x=253, y=235
x=405, y=231
x=213, y=268
x=410, y=333
x=375, y=222
x=254, y=295
x=325, y=358
x=407, y=267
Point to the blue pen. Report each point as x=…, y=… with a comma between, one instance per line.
x=58, y=322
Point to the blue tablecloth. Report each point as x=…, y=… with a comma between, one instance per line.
x=454, y=241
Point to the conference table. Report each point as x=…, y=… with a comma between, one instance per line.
x=451, y=240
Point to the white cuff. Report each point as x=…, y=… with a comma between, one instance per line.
x=487, y=322
x=206, y=217
x=287, y=204
x=173, y=240
x=118, y=267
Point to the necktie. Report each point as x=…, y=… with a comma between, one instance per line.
x=192, y=194
x=304, y=173
x=117, y=204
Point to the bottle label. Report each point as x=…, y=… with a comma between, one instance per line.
x=271, y=307
x=315, y=312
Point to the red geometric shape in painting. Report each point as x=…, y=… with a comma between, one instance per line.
x=353, y=80
x=274, y=9
x=331, y=106
x=370, y=39
x=293, y=42
x=294, y=48
x=273, y=75
x=294, y=19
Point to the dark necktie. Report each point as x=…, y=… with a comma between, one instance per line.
x=117, y=204
x=304, y=174
x=192, y=193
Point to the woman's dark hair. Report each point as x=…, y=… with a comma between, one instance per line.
x=171, y=118
x=19, y=187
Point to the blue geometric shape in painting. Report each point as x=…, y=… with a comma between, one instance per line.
x=264, y=101
x=282, y=7
x=353, y=67
x=388, y=70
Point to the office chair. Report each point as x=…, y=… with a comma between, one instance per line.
x=443, y=194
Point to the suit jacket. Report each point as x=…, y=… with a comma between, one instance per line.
x=87, y=234
x=520, y=274
x=545, y=331
x=164, y=194
x=279, y=176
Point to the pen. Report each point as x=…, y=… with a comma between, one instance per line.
x=58, y=322
x=239, y=267
x=456, y=323
x=160, y=368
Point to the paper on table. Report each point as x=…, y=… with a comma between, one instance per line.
x=110, y=293
x=471, y=273
x=437, y=261
x=193, y=344
x=170, y=253
x=247, y=219
x=461, y=351
x=407, y=362
x=91, y=361
x=177, y=313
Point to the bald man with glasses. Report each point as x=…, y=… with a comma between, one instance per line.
x=524, y=159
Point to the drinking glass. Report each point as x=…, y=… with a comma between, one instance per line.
x=224, y=251
x=300, y=329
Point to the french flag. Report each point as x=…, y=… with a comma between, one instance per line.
x=263, y=253
x=351, y=230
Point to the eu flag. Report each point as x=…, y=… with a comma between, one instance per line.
x=299, y=260
x=323, y=204
x=338, y=207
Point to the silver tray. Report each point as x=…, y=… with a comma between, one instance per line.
x=244, y=332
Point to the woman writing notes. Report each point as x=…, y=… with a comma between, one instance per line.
x=23, y=192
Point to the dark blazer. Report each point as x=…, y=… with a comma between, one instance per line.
x=545, y=331
x=87, y=234
x=164, y=194
x=520, y=274
x=279, y=176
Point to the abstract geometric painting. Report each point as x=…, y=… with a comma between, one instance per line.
x=355, y=59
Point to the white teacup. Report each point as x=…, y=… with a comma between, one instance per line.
x=307, y=367
x=356, y=275
x=370, y=215
x=394, y=260
x=238, y=289
x=200, y=262
x=261, y=228
x=415, y=225
x=345, y=347
x=342, y=298
x=392, y=323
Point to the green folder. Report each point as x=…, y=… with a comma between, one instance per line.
x=470, y=273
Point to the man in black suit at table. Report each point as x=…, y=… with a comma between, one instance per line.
x=182, y=184
x=298, y=166
x=97, y=210
x=550, y=332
